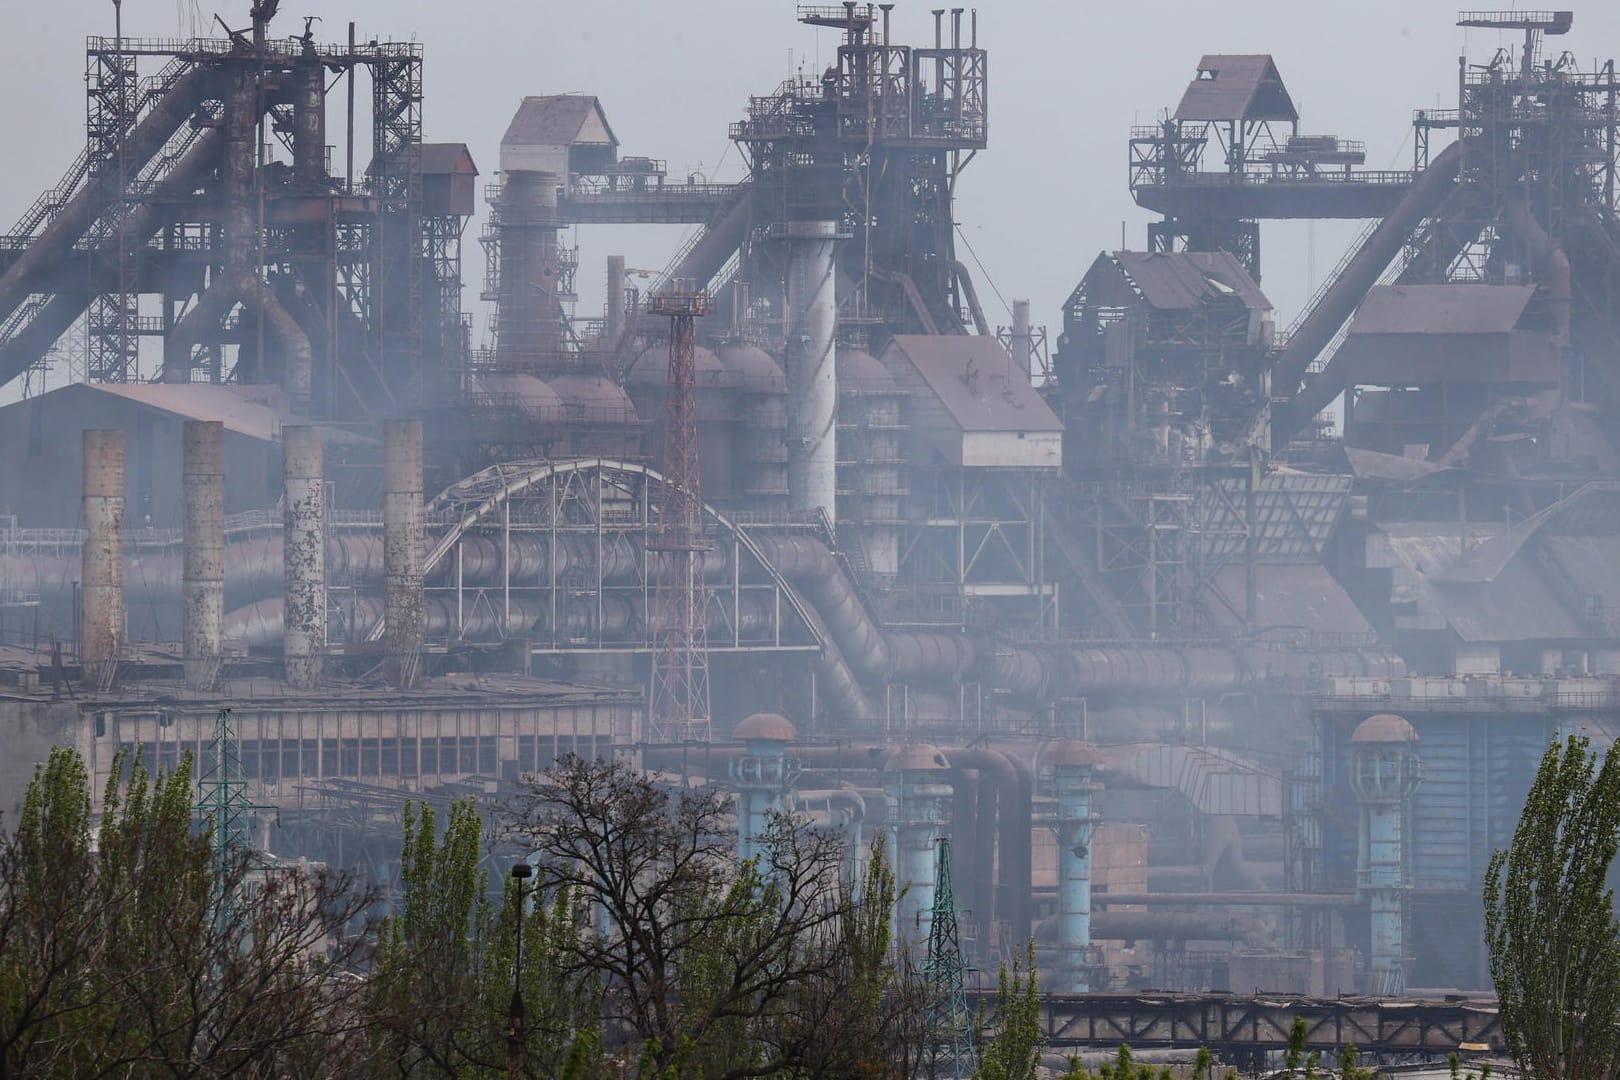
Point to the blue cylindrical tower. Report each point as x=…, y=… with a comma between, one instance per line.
x=763, y=774
x=918, y=800
x=1385, y=772
x=1073, y=764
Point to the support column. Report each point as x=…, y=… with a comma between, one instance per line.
x=202, y=585
x=1073, y=764
x=812, y=320
x=304, y=554
x=918, y=799
x=101, y=597
x=402, y=549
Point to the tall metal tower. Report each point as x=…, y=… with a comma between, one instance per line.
x=950, y=1022
x=222, y=800
x=679, y=702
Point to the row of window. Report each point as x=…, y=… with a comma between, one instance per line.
x=272, y=760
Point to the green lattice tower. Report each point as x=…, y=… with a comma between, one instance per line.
x=223, y=802
x=951, y=1024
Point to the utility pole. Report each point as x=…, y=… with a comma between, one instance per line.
x=678, y=705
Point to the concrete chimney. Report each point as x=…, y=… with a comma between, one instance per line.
x=1023, y=347
x=402, y=548
x=101, y=631
x=812, y=308
x=304, y=553
x=202, y=575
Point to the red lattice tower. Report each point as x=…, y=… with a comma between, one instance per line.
x=679, y=702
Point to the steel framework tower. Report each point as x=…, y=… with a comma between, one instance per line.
x=951, y=1022
x=679, y=702
x=223, y=802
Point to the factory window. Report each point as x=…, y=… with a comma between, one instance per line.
x=527, y=751
x=351, y=757
x=311, y=754
x=486, y=754
x=447, y=754
x=289, y=757
x=469, y=755
x=390, y=757
x=407, y=757
x=329, y=757
x=247, y=756
x=368, y=758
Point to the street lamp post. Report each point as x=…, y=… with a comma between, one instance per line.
x=515, y=1042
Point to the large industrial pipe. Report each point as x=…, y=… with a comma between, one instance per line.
x=309, y=121
x=402, y=548
x=1023, y=348
x=812, y=316
x=1170, y=926
x=304, y=554
x=55, y=242
x=102, y=592
x=202, y=586
x=1014, y=820
x=1347, y=291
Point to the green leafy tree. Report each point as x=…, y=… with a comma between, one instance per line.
x=115, y=962
x=1550, y=929
x=440, y=994
x=1014, y=1051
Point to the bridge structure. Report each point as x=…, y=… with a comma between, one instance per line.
x=1231, y=1025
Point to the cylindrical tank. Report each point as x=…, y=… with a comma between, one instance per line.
x=1073, y=766
x=918, y=799
x=304, y=554
x=203, y=553
x=101, y=633
x=763, y=773
x=402, y=548
x=759, y=471
x=1385, y=772
x=812, y=316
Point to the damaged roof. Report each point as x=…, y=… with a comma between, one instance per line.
x=1442, y=309
x=975, y=379
x=1237, y=87
x=1176, y=281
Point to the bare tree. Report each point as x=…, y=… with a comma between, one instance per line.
x=712, y=967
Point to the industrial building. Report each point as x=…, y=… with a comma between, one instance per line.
x=1220, y=648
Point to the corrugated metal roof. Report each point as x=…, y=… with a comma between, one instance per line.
x=1178, y=281
x=1516, y=605
x=1237, y=87
x=976, y=381
x=206, y=401
x=1441, y=309
x=447, y=157
x=555, y=120
x=1374, y=465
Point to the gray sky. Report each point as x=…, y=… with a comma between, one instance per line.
x=1067, y=81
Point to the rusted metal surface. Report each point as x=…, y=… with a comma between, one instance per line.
x=304, y=554
x=202, y=574
x=1237, y=87
x=402, y=548
x=102, y=597
x=1226, y=1023
x=1182, y=280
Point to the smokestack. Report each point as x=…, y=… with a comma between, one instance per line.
x=304, y=554
x=528, y=312
x=101, y=630
x=1023, y=351
x=614, y=329
x=812, y=303
x=402, y=548
x=309, y=123
x=202, y=575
